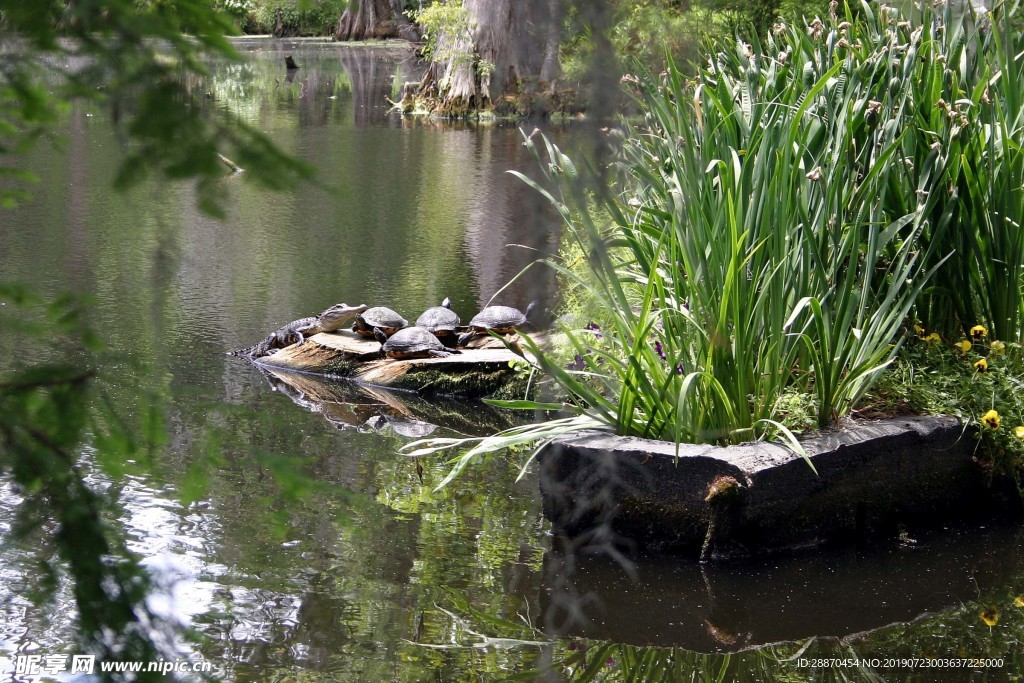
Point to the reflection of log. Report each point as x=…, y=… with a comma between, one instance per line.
x=346, y=404
x=476, y=372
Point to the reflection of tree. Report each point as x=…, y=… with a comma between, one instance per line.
x=370, y=73
x=77, y=203
x=503, y=225
x=510, y=225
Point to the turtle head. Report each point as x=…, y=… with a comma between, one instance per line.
x=530, y=309
x=339, y=314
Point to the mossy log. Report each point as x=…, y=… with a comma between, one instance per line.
x=485, y=370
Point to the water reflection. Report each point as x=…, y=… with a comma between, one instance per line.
x=284, y=542
x=661, y=601
x=348, y=405
x=447, y=183
x=407, y=212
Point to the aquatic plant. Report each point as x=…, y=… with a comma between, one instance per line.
x=766, y=229
x=962, y=98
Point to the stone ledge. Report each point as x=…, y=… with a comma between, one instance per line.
x=713, y=502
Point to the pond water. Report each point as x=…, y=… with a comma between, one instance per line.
x=290, y=535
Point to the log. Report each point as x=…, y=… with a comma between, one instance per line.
x=235, y=168
x=483, y=371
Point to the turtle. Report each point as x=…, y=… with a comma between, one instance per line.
x=378, y=318
x=442, y=321
x=413, y=342
x=499, y=319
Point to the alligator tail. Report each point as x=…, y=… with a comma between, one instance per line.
x=254, y=351
x=248, y=352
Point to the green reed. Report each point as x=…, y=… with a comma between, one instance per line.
x=752, y=252
x=990, y=185
x=769, y=226
x=963, y=104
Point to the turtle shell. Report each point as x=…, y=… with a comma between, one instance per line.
x=501, y=319
x=380, y=317
x=441, y=320
x=413, y=342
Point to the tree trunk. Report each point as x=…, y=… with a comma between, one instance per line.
x=486, y=66
x=278, y=31
x=366, y=19
x=406, y=29
x=551, y=69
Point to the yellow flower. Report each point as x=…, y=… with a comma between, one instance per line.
x=1019, y=433
x=1019, y=601
x=918, y=330
x=990, y=616
x=979, y=332
x=933, y=338
x=981, y=365
x=991, y=419
x=997, y=349
x=963, y=345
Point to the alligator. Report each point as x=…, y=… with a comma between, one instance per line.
x=295, y=332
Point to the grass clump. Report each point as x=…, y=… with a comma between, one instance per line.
x=964, y=102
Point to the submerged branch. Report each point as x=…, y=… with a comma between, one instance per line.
x=235, y=168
